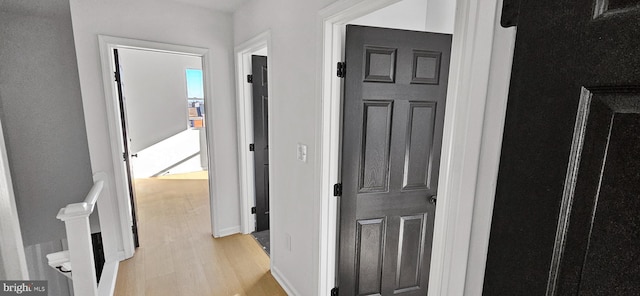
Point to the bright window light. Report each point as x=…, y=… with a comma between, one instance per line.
x=195, y=87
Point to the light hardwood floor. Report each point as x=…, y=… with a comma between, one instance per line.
x=178, y=255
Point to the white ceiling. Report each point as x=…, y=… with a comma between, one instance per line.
x=218, y=5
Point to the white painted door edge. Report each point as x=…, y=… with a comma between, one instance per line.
x=244, y=107
x=12, y=256
x=122, y=213
x=463, y=145
x=495, y=113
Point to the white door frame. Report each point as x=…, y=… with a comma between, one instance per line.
x=107, y=44
x=463, y=144
x=12, y=256
x=244, y=105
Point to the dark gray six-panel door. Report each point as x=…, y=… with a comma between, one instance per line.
x=394, y=104
x=566, y=219
x=261, y=139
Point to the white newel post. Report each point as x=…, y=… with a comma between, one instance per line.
x=77, y=263
x=83, y=273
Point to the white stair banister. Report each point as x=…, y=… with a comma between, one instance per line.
x=76, y=220
x=77, y=263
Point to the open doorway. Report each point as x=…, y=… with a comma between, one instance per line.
x=253, y=121
x=162, y=108
x=468, y=156
x=178, y=115
x=393, y=109
x=165, y=107
x=260, y=148
x=438, y=18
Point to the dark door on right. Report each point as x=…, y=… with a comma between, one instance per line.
x=261, y=139
x=566, y=219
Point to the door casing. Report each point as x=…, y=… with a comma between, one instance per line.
x=244, y=99
x=121, y=207
x=468, y=157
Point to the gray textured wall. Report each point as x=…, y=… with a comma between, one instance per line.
x=42, y=115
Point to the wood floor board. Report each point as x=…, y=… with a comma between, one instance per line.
x=178, y=255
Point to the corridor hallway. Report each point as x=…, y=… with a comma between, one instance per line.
x=178, y=255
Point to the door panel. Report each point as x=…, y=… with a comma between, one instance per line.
x=612, y=262
x=596, y=134
x=410, y=253
x=374, y=176
x=419, y=142
x=601, y=252
x=563, y=220
x=370, y=246
x=126, y=147
x=261, y=139
x=395, y=90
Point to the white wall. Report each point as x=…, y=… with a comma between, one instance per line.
x=41, y=109
x=12, y=257
x=417, y=15
x=439, y=16
x=155, y=89
x=295, y=116
x=165, y=22
x=414, y=14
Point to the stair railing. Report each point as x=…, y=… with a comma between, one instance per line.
x=77, y=262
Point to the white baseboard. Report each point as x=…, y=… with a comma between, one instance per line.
x=229, y=231
x=284, y=283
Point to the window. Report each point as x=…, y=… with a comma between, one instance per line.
x=195, y=89
x=195, y=98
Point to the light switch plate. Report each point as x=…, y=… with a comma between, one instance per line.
x=287, y=242
x=302, y=152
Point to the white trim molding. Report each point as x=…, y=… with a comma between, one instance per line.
x=12, y=256
x=492, y=130
x=228, y=231
x=121, y=203
x=244, y=105
x=284, y=283
x=469, y=87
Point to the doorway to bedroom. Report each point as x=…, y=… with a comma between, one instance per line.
x=162, y=107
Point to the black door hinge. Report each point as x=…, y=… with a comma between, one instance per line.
x=252, y=147
x=337, y=189
x=334, y=291
x=116, y=76
x=342, y=69
x=250, y=78
x=253, y=210
x=124, y=156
